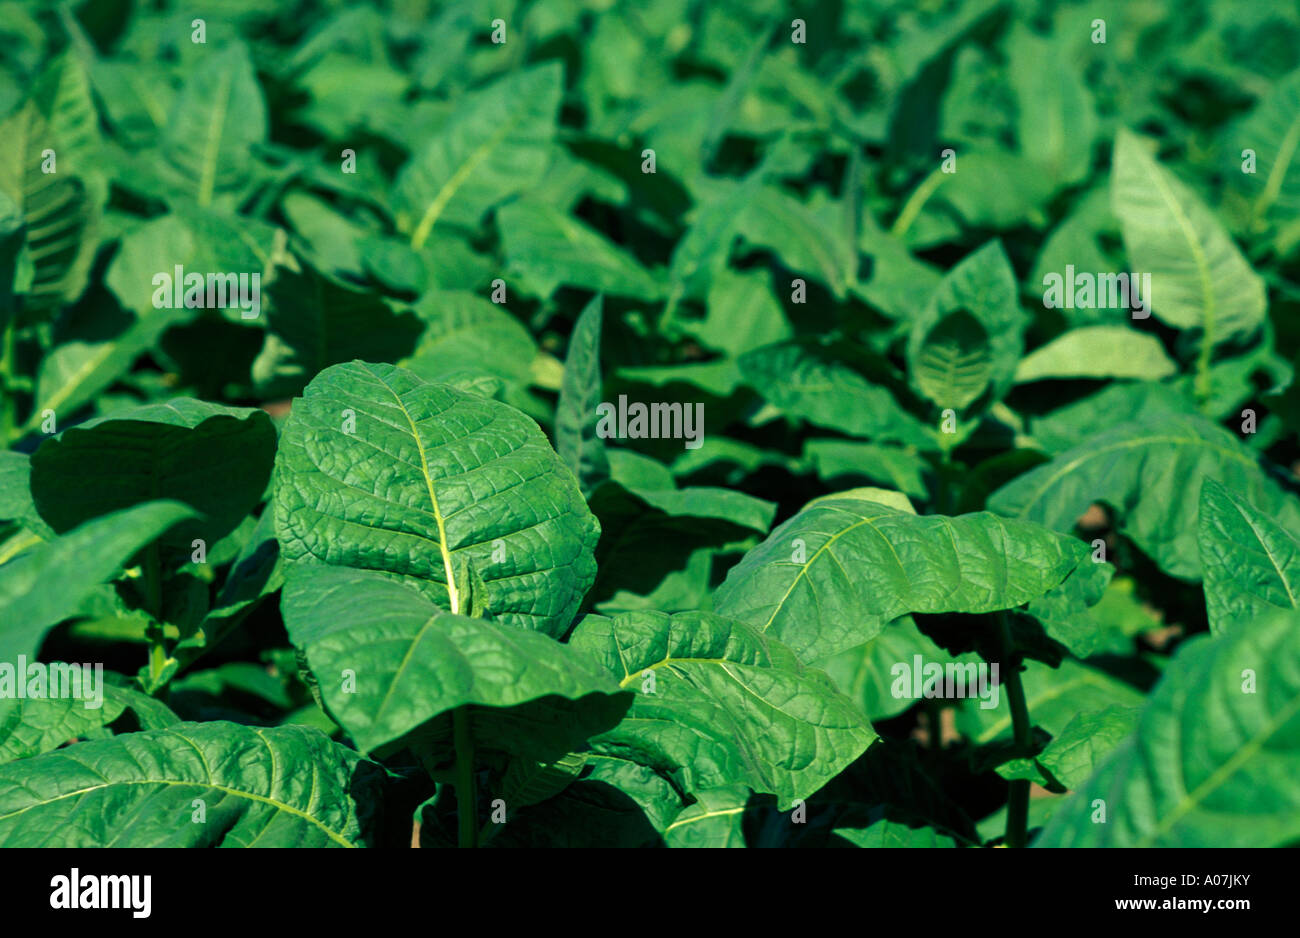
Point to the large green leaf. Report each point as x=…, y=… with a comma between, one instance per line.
x=1199, y=279
x=1215, y=760
x=285, y=786
x=388, y=661
x=41, y=588
x=837, y=572
x=215, y=459
x=379, y=470
x=497, y=143
x=718, y=703
x=1251, y=563
x=1150, y=474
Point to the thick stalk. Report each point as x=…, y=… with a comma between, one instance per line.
x=466, y=796
x=1018, y=798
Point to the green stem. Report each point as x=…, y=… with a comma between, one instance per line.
x=1203, y=378
x=153, y=606
x=915, y=202
x=1018, y=798
x=466, y=796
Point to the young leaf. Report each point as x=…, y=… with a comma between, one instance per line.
x=380, y=470
x=1098, y=352
x=580, y=394
x=141, y=789
x=971, y=333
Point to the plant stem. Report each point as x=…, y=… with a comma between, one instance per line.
x=153, y=606
x=1018, y=798
x=466, y=796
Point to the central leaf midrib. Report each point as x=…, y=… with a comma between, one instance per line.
x=453, y=593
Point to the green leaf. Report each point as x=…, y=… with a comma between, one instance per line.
x=1272, y=130
x=714, y=820
x=551, y=249
x=1143, y=471
x=315, y=322
x=218, y=117
x=1054, y=696
x=388, y=662
x=801, y=235
x=887, y=833
x=837, y=460
x=1098, y=352
x=576, y=441
x=837, y=572
x=61, y=210
x=742, y=314
x=139, y=790
x=213, y=458
x=808, y=383
x=41, y=588
x=1199, y=279
x=1215, y=760
x=954, y=362
x=970, y=334
x=717, y=703
x=31, y=726
x=1055, y=122
x=380, y=470
x=1251, y=563
x=464, y=331
x=1086, y=742
x=495, y=144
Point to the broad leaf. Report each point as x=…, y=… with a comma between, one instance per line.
x=1215, y=760
x=497, y=143
x=285, y=786
x=1150, y=474
x=837, y=572
x=379, y=470
x=1199, y=279
x=215, y=459
x=718, y=703
x=388, y=662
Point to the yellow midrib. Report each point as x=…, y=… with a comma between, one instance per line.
x=1198, y=254
x=238, y=792
x=453, y=593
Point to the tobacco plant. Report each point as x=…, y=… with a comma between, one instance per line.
x=649, y=424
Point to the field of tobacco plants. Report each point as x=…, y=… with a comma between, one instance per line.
x=649, y=424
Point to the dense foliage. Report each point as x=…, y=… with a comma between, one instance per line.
x=583, y=422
